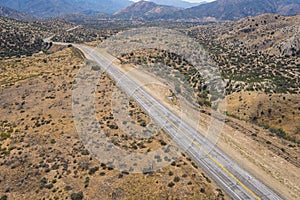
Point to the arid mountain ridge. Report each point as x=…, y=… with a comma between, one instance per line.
x=54, y=8
x=236, y=9
x=147, y=10
x=11, y=13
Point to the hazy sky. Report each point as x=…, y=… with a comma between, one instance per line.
x=196, y=1
x=193, y=1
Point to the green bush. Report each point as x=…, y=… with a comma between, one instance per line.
x=4, y=136
x=4, y=197
x=77, y=196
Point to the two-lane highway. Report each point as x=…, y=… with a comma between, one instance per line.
x=238, y=183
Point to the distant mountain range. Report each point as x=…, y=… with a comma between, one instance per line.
x=52, y=8
x=217, y=10
x=236, y=9
x=10, y=13
x=177, y=3
x=125, y=9
x=145, y=10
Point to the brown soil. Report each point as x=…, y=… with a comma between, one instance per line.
x=42, y=156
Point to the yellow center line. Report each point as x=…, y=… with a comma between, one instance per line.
x=206, y=153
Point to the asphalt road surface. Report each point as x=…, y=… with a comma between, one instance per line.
x=238, y=183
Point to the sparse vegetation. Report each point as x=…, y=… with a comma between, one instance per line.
x=181, y=72
x=26, y=38
x=249, y=62
x=77, y=196
x=42, y=156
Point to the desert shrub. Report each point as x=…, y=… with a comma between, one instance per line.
x=43, y=182
x=85, y=152
x=95, y=68
x=176, y=179
x=93, y=170
x=86, y=182
x=279, y=132
x=52, y=141
x=163, y=143
x=77, y=196
x=102, y=174
x=143, y=123
x=4, y=136
x=4, y=197
x=171, y=184
x=49, y=186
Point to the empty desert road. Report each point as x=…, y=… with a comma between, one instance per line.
x=237, y=182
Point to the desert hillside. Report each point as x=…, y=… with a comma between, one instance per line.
x=260, y=58
x=43, y=156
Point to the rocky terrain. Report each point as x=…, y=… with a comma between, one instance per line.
x=237, y=9
x=144, y=10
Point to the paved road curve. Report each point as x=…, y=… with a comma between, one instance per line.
x=238, y=183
